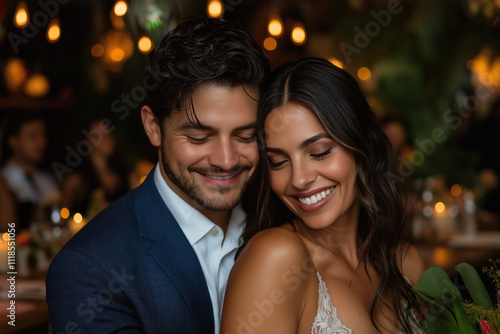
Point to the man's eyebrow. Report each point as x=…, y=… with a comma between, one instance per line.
x=203, y=127
x=191, y=126
x=252, y=125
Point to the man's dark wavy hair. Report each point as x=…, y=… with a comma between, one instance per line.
x=198, y=51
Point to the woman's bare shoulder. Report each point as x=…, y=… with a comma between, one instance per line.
x=280, y=244
x=413, y=265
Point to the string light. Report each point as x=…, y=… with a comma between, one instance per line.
x=215, y=9
x=270, y=44
x=144, y=44
x=21, y=17
x=299, y=35
x=120, y=8
x=54, y=31
x=364, y=73
x=275, y=27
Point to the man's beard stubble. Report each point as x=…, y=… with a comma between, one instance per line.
x=194, y=191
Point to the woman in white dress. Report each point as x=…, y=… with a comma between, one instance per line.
x=321, y=248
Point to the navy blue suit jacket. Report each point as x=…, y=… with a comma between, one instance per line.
x=129, y=270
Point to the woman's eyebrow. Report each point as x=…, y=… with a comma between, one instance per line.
x=302, y=145
x=313, y=139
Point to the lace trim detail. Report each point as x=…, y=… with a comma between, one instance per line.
x=327, y=321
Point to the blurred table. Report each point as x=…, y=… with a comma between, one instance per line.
x=31, y=308
x=475, y=250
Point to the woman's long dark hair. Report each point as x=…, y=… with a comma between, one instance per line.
x=337, y=101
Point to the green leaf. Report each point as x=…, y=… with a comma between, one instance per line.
x=475, y=285
x=464, y=323
x=435, y=282
x=440, y=326
x=436, y=307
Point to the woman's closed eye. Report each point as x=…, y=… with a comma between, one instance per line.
x=276, y=161
x=322, y=155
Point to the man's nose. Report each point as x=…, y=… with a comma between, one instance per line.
x=224, y=154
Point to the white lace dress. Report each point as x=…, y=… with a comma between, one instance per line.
x=327, y=321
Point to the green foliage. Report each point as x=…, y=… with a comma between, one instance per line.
x=447, y=312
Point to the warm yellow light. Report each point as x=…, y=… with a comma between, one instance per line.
x=299, y=35
x=117, y=54
x=270, y=44
x=5, y=236
x=64, y=213
x=336, y=62
x=495, y=71
x=54, y=31
x=142, y=179
x=145, y=44
x=275, y=28
x=97, y=50
x=439, y=207
x=78, y=218
x=121, y=8
x=215, y=9
x=37, y=85
x=364, y=73
x=456, y=190
x=15, y=74
x=21, y=17
x=480, y=64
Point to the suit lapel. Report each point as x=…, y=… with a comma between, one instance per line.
x=173, y=252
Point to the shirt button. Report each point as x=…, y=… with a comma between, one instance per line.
x=214, y=232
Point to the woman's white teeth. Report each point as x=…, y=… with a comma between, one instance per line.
x=316, y=198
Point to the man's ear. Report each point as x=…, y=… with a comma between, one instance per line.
x=151, y=125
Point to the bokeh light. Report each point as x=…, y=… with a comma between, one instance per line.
x=21, y=17
x=54, y=31
x=215, y=9
x=97, y=50
x=456, y=190
x=275, y=27
x=78, y=218
x=120, y=8
x=145, y=44
x=364, y=73
x=64, y=213
x=439, y=207
x=299, y=35
x=270, y=44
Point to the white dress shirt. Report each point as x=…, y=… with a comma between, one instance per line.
x=43, y=189
x=214, y=251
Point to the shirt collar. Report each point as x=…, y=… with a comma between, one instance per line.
x=194, y=224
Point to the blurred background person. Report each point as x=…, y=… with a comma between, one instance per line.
x=33, y=188
x=100, y=179
x=7, y=203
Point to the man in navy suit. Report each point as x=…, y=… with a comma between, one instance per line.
x=157, y=260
